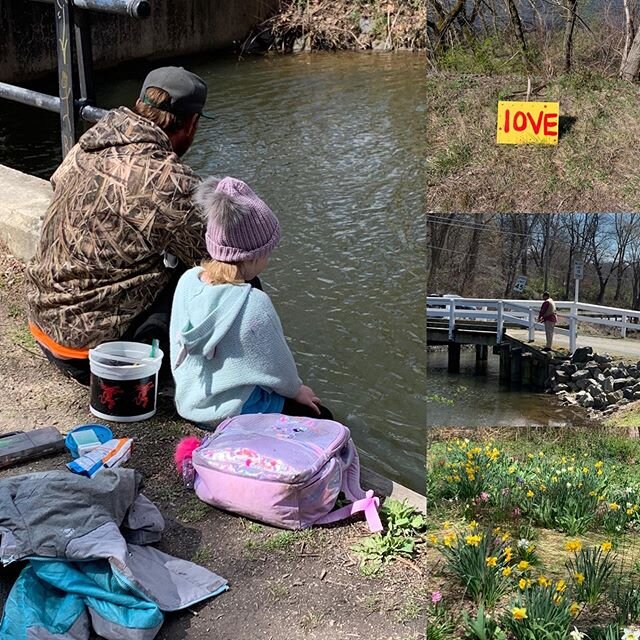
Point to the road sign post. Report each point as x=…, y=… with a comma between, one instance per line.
x=520, y=283
x=578, y=273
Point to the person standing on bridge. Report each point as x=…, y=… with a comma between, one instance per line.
x=548, y=316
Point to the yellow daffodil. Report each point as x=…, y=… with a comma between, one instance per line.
x=473, y=525
x=613, y=506
x=507, y=554
x=473, y=541
x=506, y=572
x=606, y=546
x=543, y=581
x=433, y=539
x=573, y=545
x=530, y=494
x=519, y=613
x=599, y=464
x=523, y=565
x=449, y=539
x=492, y=561
x=561, y=585
x=522, y=583
x=579, y=577
x=574, y=609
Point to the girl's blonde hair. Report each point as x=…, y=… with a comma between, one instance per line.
x=228, y=272
x=223, y=272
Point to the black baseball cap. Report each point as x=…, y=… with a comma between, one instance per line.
x=187, y=90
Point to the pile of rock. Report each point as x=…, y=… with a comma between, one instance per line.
x=595, y=381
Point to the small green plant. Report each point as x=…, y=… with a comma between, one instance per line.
x=404, y=527
x=539, y=612
x=483, y=626
x=610, y=632
x=441, y=622
x=402, y=519
x=625, y=596
x=590, y=570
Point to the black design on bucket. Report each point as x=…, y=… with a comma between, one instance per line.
x=123, y=398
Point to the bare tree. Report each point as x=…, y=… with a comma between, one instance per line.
x=570, y=6
x=516, y=24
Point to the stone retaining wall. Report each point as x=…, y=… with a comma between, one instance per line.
x=176, y=27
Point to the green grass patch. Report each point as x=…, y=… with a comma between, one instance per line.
x=194, y=510
x=23, y=338
x=203, y=556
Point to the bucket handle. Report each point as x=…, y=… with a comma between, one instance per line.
x=107, y=356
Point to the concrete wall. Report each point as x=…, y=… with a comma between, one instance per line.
x=176, y=27
x=23, y=204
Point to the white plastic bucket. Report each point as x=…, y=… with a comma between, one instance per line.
x=124, y=381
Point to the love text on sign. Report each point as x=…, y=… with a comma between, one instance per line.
x=528, y=122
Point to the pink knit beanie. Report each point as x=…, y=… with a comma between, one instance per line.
x=240, y=225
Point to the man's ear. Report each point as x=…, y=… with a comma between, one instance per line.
x=192, y=123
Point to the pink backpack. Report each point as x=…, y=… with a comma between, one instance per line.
x=281, y=470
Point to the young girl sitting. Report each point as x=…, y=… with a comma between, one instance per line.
x=229, y=355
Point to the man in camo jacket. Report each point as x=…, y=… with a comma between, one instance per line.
x=121, y=217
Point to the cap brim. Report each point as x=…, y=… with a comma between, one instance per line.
x=208, y=116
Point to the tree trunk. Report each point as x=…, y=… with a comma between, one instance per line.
x=516, y=24
x=631, y=66
x=570, y=6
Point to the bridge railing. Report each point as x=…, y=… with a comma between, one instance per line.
x=525, y=312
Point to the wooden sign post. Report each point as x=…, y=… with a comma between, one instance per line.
x=528, y=122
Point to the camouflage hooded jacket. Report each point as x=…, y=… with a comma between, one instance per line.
x=121, y=198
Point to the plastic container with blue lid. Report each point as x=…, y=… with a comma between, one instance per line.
x=102, y=432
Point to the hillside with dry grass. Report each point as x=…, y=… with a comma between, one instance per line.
x=595, y=166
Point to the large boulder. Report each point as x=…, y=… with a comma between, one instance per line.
x=581, y=374
x=584, y=399
x=607, y=385
x=561, y=388
x=583, y=383
x=603, y=359
x=621, y=383
x=582, y=354
x=614, y=397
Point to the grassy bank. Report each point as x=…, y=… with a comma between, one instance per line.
x=320, y=25
x=533, y=534
x=593, y=168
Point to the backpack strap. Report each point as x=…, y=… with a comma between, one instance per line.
x=351, y=475
x=369, y=504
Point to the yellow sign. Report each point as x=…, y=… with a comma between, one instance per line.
x=528, y=122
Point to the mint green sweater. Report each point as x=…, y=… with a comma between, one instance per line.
x=226, y=340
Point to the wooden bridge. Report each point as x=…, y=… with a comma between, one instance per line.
x=454, y=321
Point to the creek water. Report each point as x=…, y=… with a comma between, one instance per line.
x=334, y=143
x=472, y=399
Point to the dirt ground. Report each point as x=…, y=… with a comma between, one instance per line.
x=282, y=584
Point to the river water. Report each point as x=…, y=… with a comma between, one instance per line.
x=334, y=143
x=470, y=399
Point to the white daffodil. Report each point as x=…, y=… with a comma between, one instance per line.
x=631, y=633
x=576, y=635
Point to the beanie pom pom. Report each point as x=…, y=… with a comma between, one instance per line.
x=185, y=450
x=219, y=206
